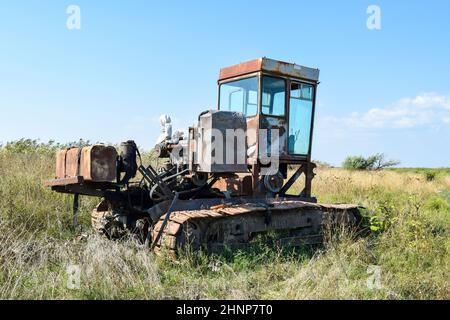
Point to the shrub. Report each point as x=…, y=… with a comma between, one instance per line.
x=437, y=204
x=374, y=162
x=430, y=175
x=322, y=164
x=355, y=163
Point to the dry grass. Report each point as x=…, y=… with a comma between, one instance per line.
x=410, y=245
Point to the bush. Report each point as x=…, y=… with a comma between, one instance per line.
x=28, y=146
x=437, y=204
x=430, y=175
x=322, y=164
x=375, y=162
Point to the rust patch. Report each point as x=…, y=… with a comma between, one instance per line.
x=241, y=69
x=237, y=186
x=270, y=66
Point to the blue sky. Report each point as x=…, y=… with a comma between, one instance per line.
x=381, y=90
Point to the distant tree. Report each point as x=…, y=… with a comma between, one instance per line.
x=322, y=164
x=375, y=162
x=355, y=163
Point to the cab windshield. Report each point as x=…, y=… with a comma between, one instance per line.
x=240, y=96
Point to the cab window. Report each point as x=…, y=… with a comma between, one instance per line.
x=300, y=118
x=273, y=96
x=240, y=96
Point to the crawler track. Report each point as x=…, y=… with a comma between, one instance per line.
x=296, y=223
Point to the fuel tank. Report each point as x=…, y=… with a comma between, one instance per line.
x=95, y=163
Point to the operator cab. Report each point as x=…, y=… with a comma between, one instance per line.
x=273, y=95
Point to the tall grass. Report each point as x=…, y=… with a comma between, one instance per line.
x=409, y=243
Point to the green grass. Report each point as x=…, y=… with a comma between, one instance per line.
x=410, y=242
x=443, y=171
x=429, y=173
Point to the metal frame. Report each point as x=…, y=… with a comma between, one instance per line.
x=303, y=161
x=260, y=114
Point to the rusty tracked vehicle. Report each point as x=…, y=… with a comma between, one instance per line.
x=227, y=181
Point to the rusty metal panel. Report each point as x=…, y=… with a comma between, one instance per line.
x=96, y=163
x=290, y=69
x=272, y=66
x=61, y=164
x=63, y=182
x=241, y=69
x=236, y=186
x=214, y=148
x=71, y=164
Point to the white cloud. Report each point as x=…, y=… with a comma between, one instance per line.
x=429, y=109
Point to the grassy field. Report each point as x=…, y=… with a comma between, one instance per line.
x=408, y=247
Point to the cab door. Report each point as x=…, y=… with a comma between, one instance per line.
x=301, y=104
x=273, y=117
